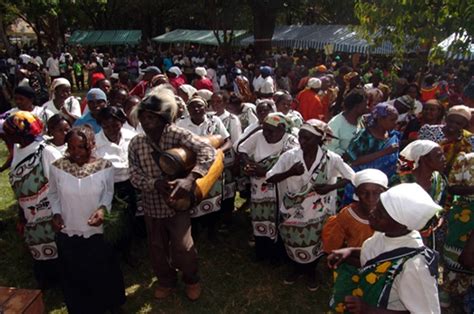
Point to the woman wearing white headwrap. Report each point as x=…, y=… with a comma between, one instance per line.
x=458, y=252
x=310, y=174
x=202, y=81
x=350, y=228
x=424, y=165
x=61, y=101
x=259, y=152
x=398, y=272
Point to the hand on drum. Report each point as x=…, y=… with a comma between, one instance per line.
x=181, y=187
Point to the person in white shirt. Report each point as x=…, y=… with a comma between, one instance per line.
x=203, y=124
x=112, y=144
x=52, y=65
x=233, y=127
x=308, y=183
x=267, y=87
x=81, y=190
x=61, y=101
x=55, y=145
x=398, y=272
x=25, y=99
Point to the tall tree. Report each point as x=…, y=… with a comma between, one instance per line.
x=413, y=24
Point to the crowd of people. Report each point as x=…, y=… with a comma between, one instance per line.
x=367, y=166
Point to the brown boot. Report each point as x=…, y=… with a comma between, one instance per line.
x=193, y=292
x=163, y=292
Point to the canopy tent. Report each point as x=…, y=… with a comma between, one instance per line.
x=448, y=44
x=203, y=37
x=104, y=38
x=341, y=37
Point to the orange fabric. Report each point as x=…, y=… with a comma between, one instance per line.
x=310, y=105
x=429, y=93
x=343, y=230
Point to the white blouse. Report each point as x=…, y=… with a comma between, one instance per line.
x=51, y=153
x=257, y=147
x=335, y=167
x=76, y=199
x=71, y=103
x=117, y=154
x=211, y=125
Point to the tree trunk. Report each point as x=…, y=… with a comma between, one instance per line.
x=3, y=34
x=264, y=19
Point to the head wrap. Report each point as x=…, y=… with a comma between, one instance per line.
x=407, y=102
x=56, y=83
x=197, y=99
x=417, y=149
x=24, y=124
x=314, y=83
x=410, y=205
x=321, y=68
x=381, y=110
x=201, y=71
x=318, y=128
x=277, y=118
x=25, y=91
x=96, y=94
x=153, y=70
x=460, y=110
x=266, y=70
x=175, y=70
x=160, y=101
x=188, y=90
x=204, y=93
x=373, y=176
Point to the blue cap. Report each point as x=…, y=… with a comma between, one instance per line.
x=266, y=70
x=96, y=94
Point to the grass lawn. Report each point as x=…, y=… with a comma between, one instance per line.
x=232, y=282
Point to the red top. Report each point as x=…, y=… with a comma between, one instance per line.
x=310, y=105
x=203, y=83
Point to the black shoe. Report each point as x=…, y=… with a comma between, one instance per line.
x=312, y=284
x=291, y=278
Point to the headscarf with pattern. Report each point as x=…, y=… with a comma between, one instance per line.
x=318, y=128
x=381, y=110
x=24, y=124
x=277, y=118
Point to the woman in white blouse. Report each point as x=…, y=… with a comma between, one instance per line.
x=81, y=190
x=112, y=144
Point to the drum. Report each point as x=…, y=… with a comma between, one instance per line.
x=177, y=162
x=203, y=185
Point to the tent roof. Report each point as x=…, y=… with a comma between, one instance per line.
x=106, y=37
x=342, y=37
x=446, y=44
x=203, y=37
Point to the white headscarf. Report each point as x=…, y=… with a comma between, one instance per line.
x=175, y=70
x=60, y=81
x=410, y=205
x=200, y=71
x=205, y=93
x=189, y=90
x=417, y=149
x=374, y=176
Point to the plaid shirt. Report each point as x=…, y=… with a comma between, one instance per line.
x=144, y=171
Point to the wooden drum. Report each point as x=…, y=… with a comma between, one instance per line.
x=177, y=162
